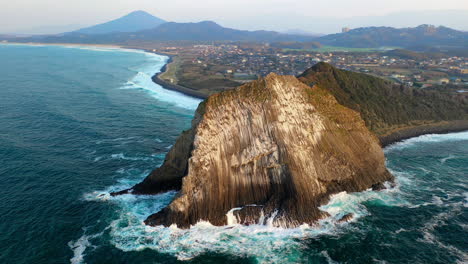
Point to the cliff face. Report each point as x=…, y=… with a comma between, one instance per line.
x=273, y=147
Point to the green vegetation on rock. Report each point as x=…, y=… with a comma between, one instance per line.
x=385, y=106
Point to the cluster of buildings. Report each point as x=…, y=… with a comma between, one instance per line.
x=243, y=62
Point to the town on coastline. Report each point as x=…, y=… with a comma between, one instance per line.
x=213, y=67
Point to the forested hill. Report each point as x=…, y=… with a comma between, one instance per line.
x=386, y=107
x=424, y=35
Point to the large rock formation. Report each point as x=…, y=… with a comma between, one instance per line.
x=274, y=148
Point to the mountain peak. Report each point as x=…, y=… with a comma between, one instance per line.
x=135, y=21
x=139, y=12
x=209, y=23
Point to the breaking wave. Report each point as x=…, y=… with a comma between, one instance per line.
x=266, y=243
x=269, y=244
x=79, y=247
x=122, y=156
x=430, y=138
x=143, y=80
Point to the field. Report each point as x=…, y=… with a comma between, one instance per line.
x=170, y=74
x=345, y=49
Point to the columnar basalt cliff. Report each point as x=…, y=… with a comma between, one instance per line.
x=274, y=148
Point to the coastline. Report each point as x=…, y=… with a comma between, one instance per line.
x=443, y=127
x=174, y=87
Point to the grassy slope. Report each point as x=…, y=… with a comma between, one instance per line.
x=170, y=73
x=384, y=106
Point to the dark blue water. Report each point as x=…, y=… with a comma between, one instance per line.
x=76, y=123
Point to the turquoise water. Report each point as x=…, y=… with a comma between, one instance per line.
x=76, y=123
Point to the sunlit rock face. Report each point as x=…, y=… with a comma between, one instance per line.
x=271, y=150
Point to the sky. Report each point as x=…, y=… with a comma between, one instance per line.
x=320, y=16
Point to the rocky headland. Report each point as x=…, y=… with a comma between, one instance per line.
x=273, y=149
x=278, y=147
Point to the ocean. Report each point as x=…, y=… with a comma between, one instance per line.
x=79, y=122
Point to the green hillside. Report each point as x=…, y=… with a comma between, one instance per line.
x=386, y=106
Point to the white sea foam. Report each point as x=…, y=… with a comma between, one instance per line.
x=267, y=243
x=441, y=220
x=123, y=140
x=79, y=247
x=122, y=184
x=443, y=160
x=431, y=138
x=122, y=156
x=344, y=203
x=328, y=258
x=142, y=80
x=91, y=48
x=103, y=48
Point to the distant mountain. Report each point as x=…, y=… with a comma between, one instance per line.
x=424, y=35
x=418, y=38
x=210, y=31
x=5, y=37
x=171, y=31
x=456, y=19
x=135, y=21
x=333, y=23
x=298, y=31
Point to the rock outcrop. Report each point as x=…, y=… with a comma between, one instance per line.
x=271, y=149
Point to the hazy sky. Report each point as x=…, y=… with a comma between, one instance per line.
x=245, y=14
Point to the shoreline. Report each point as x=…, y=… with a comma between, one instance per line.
x=174, y=87
x=155, y=78
x=443, y=127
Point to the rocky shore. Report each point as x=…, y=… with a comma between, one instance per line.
x=174, y=87
x=278, y=147
x=271, y=149
x=436, y=128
